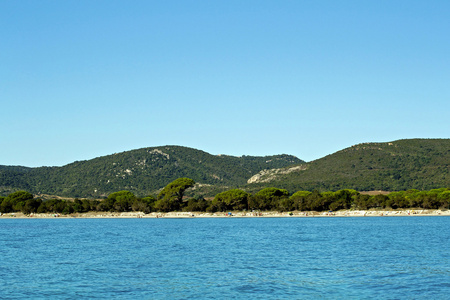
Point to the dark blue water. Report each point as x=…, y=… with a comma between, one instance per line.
x=280, y=258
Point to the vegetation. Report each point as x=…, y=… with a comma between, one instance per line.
x=401, y=165
x=171, y=197
x=267, y=199
x=143, y=171
x=230, y=200
x=421, y=164
x=175, y=189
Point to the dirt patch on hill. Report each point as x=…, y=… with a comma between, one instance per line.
x=372, y=193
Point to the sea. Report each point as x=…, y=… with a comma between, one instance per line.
x=226, y=258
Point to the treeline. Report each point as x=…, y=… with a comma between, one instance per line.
x=171, y=198
x=274, y=199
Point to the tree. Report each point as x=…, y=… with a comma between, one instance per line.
x=6, y=206
x=196, y=204
x=231, y=200
x=166, y=205
x=120, y=195
x=379, y=200
x=15, y=201
x=444, y=199
x=317, y=201
x=53, y=206
x=342, y=199
x=362, y=201
x=19, y=198
x=301, y=200
x=143, y=205
x=105, y=205
x=175, y=189
x=31, y=206
x=118, y=201
x=269, y=198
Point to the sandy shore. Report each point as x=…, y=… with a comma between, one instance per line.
x=269, y=214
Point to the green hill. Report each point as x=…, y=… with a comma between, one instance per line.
x=421, y=164
x=141, y=171
x=400, y=165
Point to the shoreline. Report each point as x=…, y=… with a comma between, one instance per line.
x=238, y=214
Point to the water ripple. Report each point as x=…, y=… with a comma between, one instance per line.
x=291, y=258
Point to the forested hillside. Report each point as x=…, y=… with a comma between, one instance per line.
x=422, y=164
x=400, y=165
x=141, y=171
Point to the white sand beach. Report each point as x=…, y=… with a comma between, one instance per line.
x=241, y=214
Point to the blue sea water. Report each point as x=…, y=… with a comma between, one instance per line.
x=255, y=258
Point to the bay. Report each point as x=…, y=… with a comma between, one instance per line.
x=223, y=258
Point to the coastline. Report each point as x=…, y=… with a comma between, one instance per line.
x=238, y=214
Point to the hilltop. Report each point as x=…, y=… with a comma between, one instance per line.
x=399, y=165
x=142, y=171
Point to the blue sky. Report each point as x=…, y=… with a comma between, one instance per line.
x=82, y=79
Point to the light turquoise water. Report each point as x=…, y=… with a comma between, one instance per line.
x=279, y=258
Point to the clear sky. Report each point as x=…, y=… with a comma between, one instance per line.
x=81, y=79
